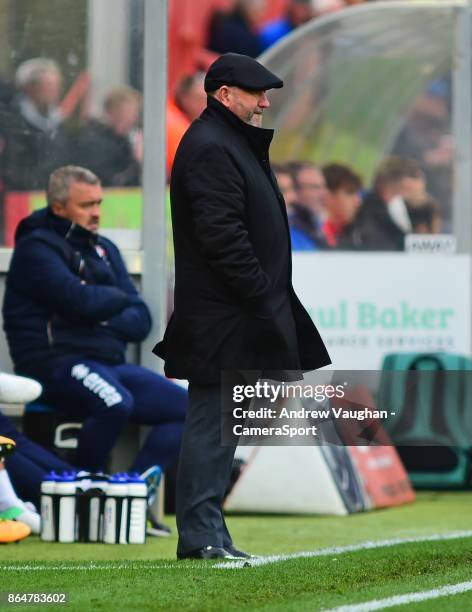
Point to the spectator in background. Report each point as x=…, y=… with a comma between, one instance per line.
x=190, y=97
x=112, y=147
x=235, y=30
x=286, y=186
x=187, y=104
x=177, y=125
x=343, y=199
x=297, y=13
x=325, y=7
x=299, y=240
x=383, y=219
x=424, y=215
x=32, y=123
x=426, y=137
x=40, y=84
x=308, y=210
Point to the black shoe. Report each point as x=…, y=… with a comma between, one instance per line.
x=209, y=552
x=239, y=554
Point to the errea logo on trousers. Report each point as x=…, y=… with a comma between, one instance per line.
x=96, y=384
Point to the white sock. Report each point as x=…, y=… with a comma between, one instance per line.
x=8, y=497
x=32, y=519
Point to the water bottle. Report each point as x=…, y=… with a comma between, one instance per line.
x=90, y=506
x=137, y=496
x=116, y=511
x=65, y=489
x=49, y=508
x=99, y=487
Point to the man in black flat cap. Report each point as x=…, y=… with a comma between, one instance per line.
x=235, y=308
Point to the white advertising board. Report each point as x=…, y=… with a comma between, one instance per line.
x=368, y=305
x=272, y=481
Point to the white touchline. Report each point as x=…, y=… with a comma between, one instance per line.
x=336, y=550
x=398, y=600
x=12, y=567
x=322, y=552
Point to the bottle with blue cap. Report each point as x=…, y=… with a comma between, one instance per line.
x=116, y=510
x=49, y=511
x=65, y=491
x=90, y=505
x=137, y=496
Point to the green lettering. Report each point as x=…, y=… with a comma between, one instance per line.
x=409, y=316
x=366, y=315
x=389, y=319
x=443, y=315
x=428, y=318
x=343, y=314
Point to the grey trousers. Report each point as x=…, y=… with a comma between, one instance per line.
x=203, y=473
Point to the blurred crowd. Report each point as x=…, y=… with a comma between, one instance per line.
x=39, y=130
x=238, y=27
x=328, y=207
x=42, y=127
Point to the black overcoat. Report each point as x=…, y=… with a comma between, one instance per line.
x=234, y=305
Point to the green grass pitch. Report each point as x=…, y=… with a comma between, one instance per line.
x=114, y=577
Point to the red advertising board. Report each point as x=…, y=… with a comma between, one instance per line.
x=383, y=477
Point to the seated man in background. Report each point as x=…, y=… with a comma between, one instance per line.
x=299, y=240
x=286, y=186
x=187, y=103
x=424, y=215
x=383, y=220
x=307, y=211
x=234, y=30
x=297, y=13
x=112, y=146
x=32, y=125
x=343, y=199
x=69, y=311
x=190, y=96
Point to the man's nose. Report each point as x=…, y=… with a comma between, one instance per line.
x=264, y=101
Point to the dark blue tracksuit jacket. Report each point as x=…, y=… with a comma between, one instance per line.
x=68, y=293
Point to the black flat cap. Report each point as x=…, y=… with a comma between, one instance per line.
x=242, y=71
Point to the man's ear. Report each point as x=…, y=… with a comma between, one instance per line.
x=223, y=95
